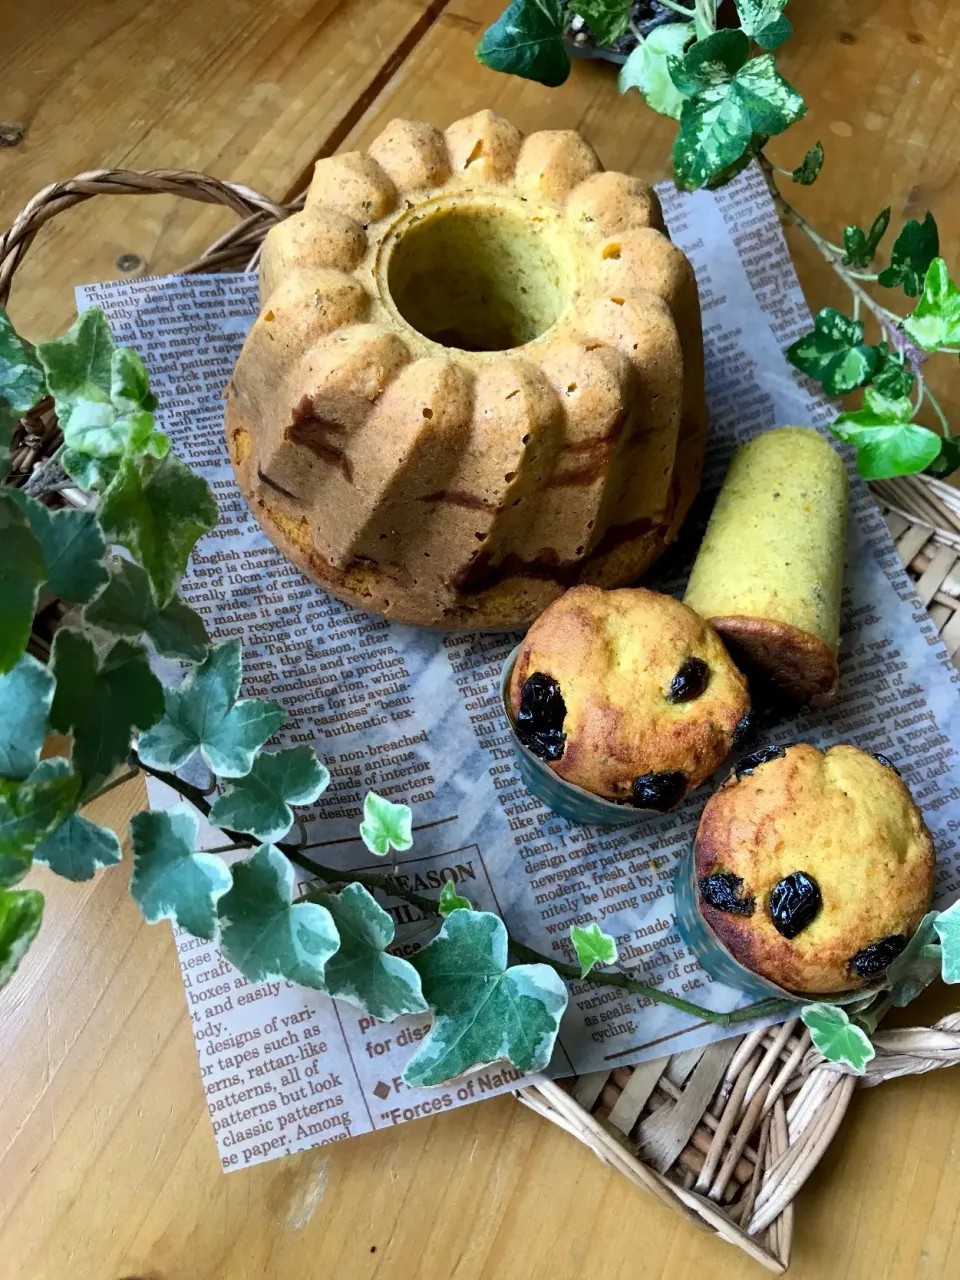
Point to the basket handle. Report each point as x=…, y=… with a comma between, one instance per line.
x=258, y=213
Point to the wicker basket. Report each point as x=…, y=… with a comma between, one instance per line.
x=727, y=1134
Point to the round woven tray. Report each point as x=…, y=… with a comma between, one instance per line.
x=727, y=1134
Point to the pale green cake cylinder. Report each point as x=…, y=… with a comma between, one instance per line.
x=769, y=573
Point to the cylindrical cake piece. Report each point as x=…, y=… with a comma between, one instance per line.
x=770, y=571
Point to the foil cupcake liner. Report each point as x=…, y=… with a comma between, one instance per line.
x=564, y=798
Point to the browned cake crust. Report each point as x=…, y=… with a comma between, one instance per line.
x=614, y=655
x=796, y=661
x=476, y=377
x=841, y=817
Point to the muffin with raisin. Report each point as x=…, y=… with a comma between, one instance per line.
x=814, y=868
x=628, y=694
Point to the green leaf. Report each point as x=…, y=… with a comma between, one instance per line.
x=101, y=702
x=77, y=847
x=646, y=68
x=8, y=423
x=26, y=692
x=158, y=510
x=835, y=353
x=204, y=714
x=893, y=377
x=836, y=1037
x=720, y=125
x=267, y=936
x=97, y=431
x=127, y=608
x=913, y=250
x=936, y=319
x=450, y=900
x=947, y=925
x=22, y=573
x=21, y=913
x=862, y=245
x=608, y=19
x=72, y=546
x=29, y=812
x=764, y=22
x=22, y=382
x=593, y=947
x=78, y=365
x=808, y=170
x=129, y=384
x=527, y=40
x=710, y=62
x=363, y=972
x=483, y=1011
x=259, y=803
x=88, y=473
x=917, y=965
x=888, y=443
x=385, y=825
x=170, y=880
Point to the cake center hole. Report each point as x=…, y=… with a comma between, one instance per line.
x=480, y=279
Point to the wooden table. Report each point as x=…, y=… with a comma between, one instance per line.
x=108, y=1166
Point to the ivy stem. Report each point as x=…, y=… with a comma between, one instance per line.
x=117, y=782
x=430, y=906
x=833, y=253
x=678, y=8
x=935, y=405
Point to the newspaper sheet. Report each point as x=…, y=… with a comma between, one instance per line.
x=415, y=715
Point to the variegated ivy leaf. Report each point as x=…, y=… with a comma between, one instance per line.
x=72, y=545
x=836, y=1037
x=917, y=964
x=259, y=803
x=808, y=170
x=21, y=913
x=78, y=364
x=127, y=608
x=385, y=825
x=888, y=443
x=171, y=880
x=129, y=384
x=862, y=245
x=734, y=104
x=947, y=925
x=29, y=811
x=96, y=430
x=608, y=19
x=646, y=68
x=363, y=972
x=936, y=319
x=158, y=510
x=593, y=947
x=483, y=1011
x=450, y=900
x=204, y=715
x=764, y=21
x=22, y=382
x=527, y=40
x=101, y=702
x=22, y=573
x=893, y=376
x=268, y=936
x=26, y=692
x=913, y=250
x=835, y=353
x=77, y=847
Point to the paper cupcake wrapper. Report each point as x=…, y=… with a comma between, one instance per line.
x=720, y=964
x=564, y=798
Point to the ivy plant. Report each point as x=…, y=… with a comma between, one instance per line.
x=274, y=911
x=725, y=90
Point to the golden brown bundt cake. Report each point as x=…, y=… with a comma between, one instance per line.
x=476, y=377
x=814, y=867
x=628, y=694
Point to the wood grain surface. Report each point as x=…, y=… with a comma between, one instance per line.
x=108, y=1167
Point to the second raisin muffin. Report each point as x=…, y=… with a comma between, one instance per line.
x=628, y=694
x=814, y=868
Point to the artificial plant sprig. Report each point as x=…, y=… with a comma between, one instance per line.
x=725, y=90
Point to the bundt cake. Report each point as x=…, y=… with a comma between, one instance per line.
x=476, y=377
